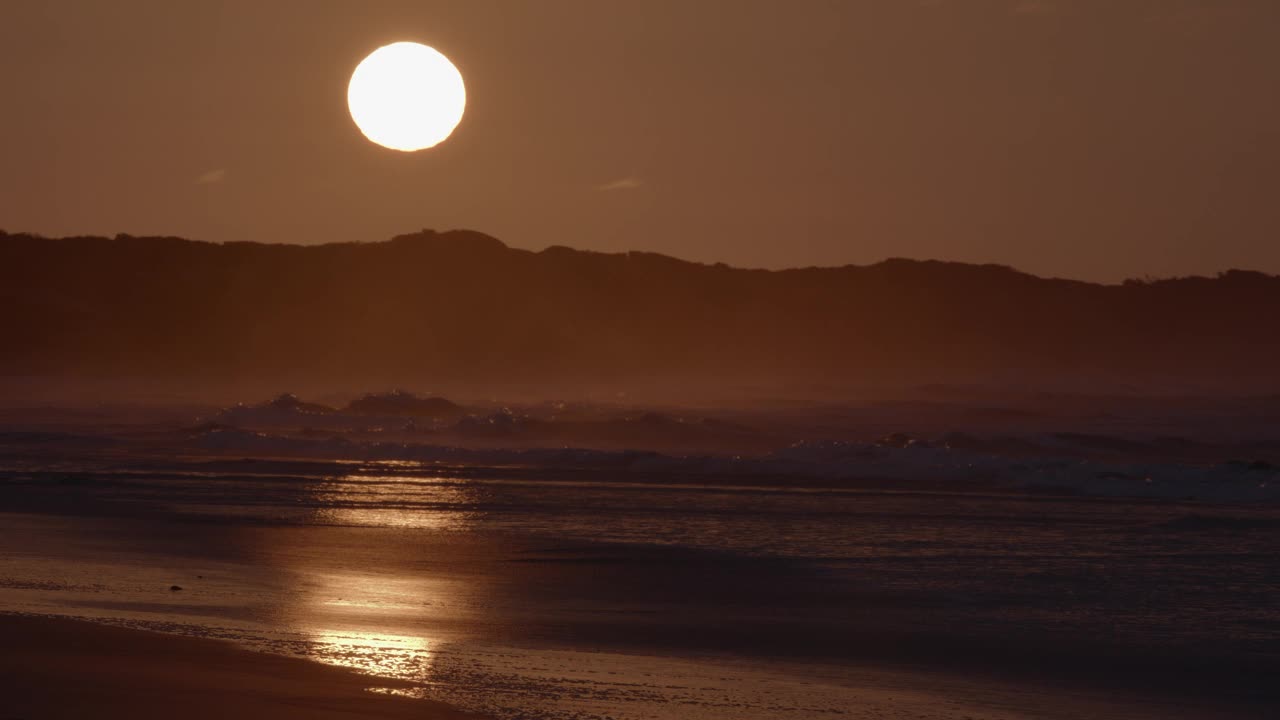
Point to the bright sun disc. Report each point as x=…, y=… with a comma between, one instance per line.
x=406, y=96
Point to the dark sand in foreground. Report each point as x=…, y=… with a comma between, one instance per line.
x=67, y=669
x=58, y=668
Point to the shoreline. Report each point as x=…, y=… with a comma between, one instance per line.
x=59, y=667
x=56, y=667
x=520, y=624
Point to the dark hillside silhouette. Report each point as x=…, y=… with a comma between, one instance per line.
x=461, y=305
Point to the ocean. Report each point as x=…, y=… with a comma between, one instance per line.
x=527, y=591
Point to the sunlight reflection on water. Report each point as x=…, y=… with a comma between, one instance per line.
x=394, y=502
x=404, y=657
x=369, y=622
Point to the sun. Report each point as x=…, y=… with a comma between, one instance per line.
x=406, y=96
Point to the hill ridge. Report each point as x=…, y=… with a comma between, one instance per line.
x=462, y=303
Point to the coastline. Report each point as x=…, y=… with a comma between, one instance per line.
x=513, y=600
x=55, y=668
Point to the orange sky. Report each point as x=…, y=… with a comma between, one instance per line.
x=1084, y=139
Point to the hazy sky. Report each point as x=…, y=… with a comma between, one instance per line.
x=1083, y=139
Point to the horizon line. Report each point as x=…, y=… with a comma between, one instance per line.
x=1145, y=279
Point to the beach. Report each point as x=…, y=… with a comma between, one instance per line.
x=510, y=595
x=1048, y=575
x=59, y=668
x=52, y=668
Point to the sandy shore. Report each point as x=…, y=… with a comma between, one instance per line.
x=57, y=668
x=66, y=669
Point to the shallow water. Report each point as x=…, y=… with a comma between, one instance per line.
x=537, y=595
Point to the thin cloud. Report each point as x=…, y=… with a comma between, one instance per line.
x=626, y=183
x=213, y=176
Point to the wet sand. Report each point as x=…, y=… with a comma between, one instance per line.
x=566, y=601
x=67, y=669
x=58, y=668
